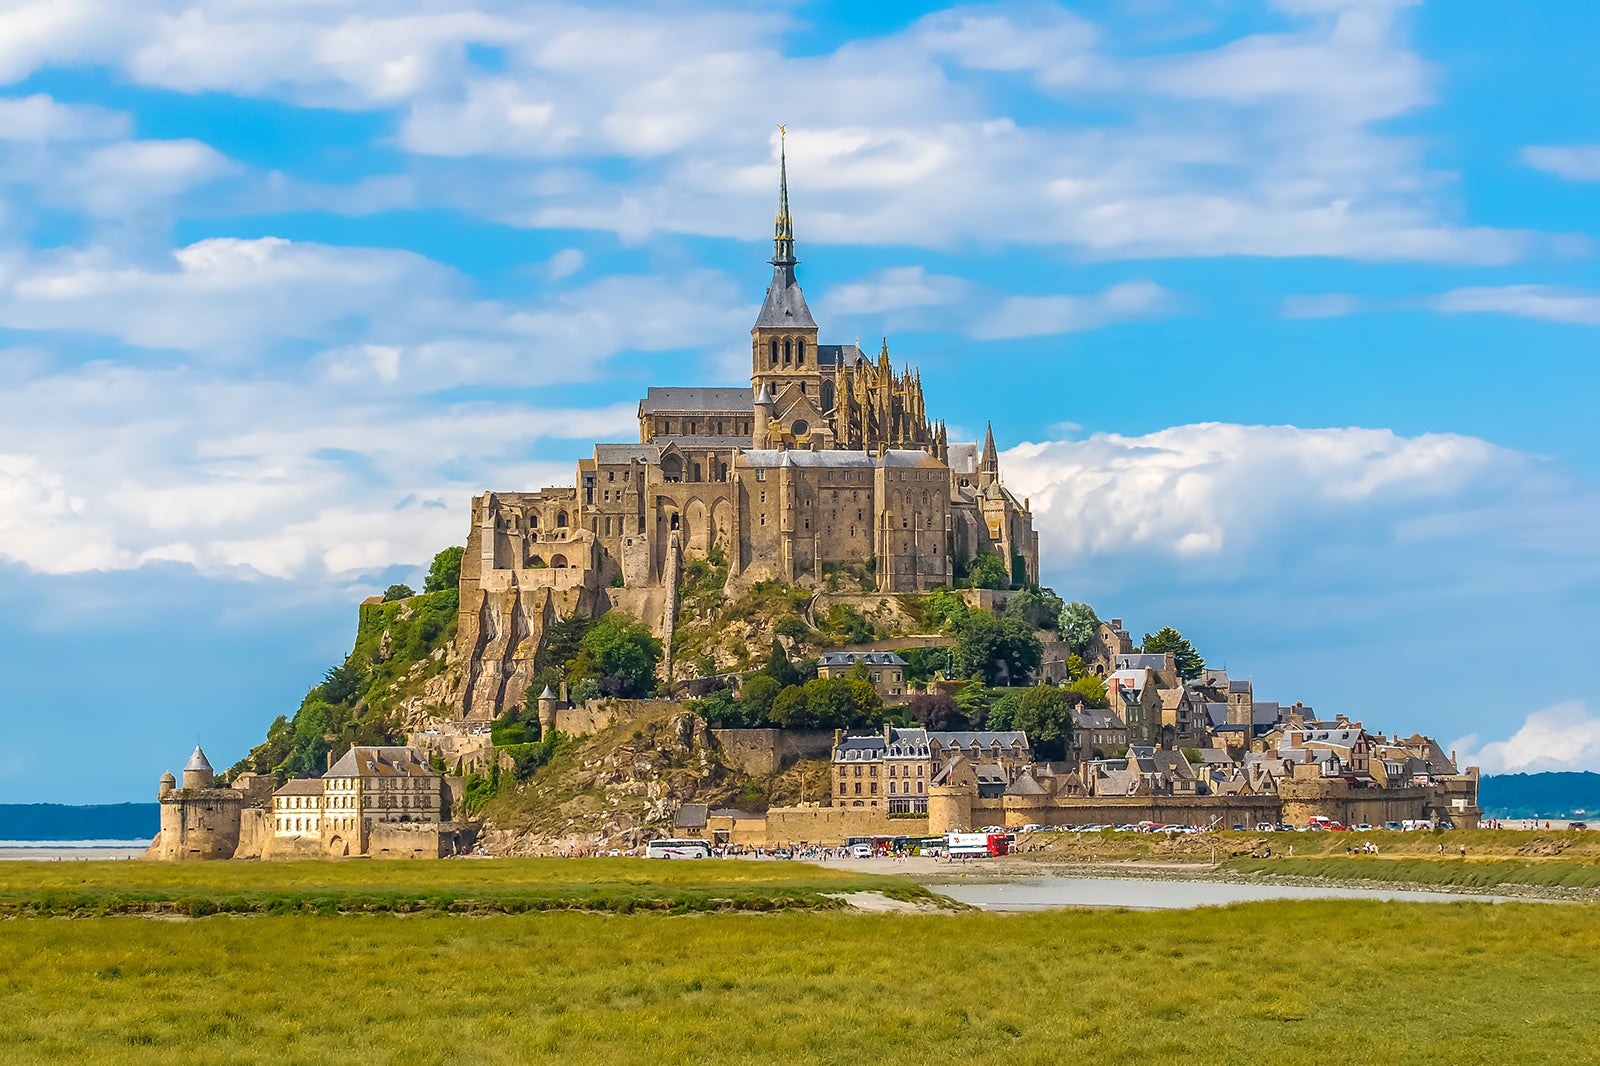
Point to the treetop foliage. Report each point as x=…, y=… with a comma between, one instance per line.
x=445, y=573
x=1166, y=639
x=1078, y=625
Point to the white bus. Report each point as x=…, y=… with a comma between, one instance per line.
x=677, y=849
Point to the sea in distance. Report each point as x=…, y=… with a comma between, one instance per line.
x=59, y=831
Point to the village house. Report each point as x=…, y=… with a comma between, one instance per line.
x=893, y=770
x=885, y=669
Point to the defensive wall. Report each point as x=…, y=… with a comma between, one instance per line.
x=764, y=752
x=831, y=825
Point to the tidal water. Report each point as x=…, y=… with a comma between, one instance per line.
x=1046, y=893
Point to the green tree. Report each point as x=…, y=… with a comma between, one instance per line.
x=829, y=703
x=756, y=696
x=989, y=572
x=1093, y=691
x=397, y=592
x=789, y=708
x=1042, y=714
x=625, y=655
x=943, y=607
x=1078, y=625
x=1003, y=712
x=445, y=573
x=1167, y=639
x=991, y=648
x=341, y=683
x=779, y=668
x=1040, y=608
x=558, y=646
x=923, y=663
x=791, y=627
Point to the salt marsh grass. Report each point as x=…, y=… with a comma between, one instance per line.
x=82, y=889
x=1323, y=981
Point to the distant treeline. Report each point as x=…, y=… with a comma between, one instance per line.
x=1551, y=795
x=60, y=821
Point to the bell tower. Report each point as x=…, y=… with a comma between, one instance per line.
x=783, y=342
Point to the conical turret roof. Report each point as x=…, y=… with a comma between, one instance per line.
x=197, y=761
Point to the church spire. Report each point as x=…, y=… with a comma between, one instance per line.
x=783, y=225
x=990, y=463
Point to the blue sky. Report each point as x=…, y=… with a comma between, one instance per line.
x=1286, y=314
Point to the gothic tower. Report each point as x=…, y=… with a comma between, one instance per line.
x=783, y=342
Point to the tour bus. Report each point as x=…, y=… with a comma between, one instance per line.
x=677, y=849
x=974, y=845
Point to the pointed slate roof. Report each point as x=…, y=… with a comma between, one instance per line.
x=785, y=306
x=197, y=761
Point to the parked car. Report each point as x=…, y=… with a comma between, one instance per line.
x=1363, y=828
x=1577, y=825
x=1266, y=827
x=1393, y=827
x=1033, y=827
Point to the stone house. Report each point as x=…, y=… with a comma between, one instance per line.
x=892, y=770
x=885, y=669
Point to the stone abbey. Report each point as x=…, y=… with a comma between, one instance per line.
x=826, y=460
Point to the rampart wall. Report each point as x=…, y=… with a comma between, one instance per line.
x=764, y=752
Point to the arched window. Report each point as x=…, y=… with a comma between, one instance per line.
x=788, y=352
x=673, y=523
x=558, y=562
x=561, y=520
x=800, y=353
x=533, y=521
x=774, y=351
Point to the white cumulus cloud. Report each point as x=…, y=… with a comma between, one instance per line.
x=1565, y=736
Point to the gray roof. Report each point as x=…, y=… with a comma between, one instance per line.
x=691, y=816
x=1088, y=719
x=697, y=400
x=838, y=354
x=785, y=305
x=197, y=761
x=1141, y=661
x=850, y=658
x=381, y=762
x=301, y=786
x=836, y=458
x=966, y=738
x=613, y=454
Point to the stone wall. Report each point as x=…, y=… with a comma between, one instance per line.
x=764, y=752
x=1334, y=798
x=198, y=823
x=831, y=825
x=1222, y=811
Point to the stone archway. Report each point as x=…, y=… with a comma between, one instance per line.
x=337, y=846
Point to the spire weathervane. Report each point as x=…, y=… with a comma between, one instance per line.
x=783, y=227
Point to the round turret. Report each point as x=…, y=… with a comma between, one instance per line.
x=168, y=783
x=197, y=771
x=547, y=711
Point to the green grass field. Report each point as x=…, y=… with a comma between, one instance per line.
x=1479, y=874
x=1327, y=981
x=82, y=889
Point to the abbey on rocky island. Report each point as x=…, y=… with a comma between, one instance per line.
x=827, y=459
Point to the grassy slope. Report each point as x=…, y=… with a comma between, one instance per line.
x=504, y=885
x=1312, y=982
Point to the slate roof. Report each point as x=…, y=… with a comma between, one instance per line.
x=691, y=816
x=985, y=739
x=1025, y=785
x=1141, y=661
x=697, y=400
x=963, y=458
x=301, y=786
x=838, y=354
x=1099, y=720
x=381, y=762
x=785, y=305
x=850, y=658
x=197, y=761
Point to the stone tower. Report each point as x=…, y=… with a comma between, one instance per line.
x=197, y=771
x=547, y=712
x=199, y=820
x=783, y=342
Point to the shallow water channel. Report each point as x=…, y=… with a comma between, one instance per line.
x=1045, y=893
